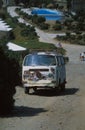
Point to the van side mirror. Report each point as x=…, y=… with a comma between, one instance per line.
x=66, y=59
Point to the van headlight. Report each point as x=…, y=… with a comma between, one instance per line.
x=26, y=74
x=51, y=75
x=52, y=70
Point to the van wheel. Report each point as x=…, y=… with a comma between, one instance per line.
x=26, y=90
x=62, y=87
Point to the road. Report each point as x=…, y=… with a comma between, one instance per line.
x=49, y=109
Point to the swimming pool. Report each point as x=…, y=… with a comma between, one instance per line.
x=48, y=13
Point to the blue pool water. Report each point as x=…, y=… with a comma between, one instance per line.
x=48, y=13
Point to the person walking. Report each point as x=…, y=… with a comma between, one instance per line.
x=82, y=56
x=59, y=45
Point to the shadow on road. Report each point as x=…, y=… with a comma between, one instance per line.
x=22, y=111
x=53, y=92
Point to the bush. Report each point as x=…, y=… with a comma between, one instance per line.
x=15, y=20
x=57, y=26
x=81, y=42
x=11, y=35
x=34, y=19
x=38, y=19
x=9, y=78
x=44, y=26
x=61, y=38
x=22, y=25
x=2, y=14
x=28, y=31
x=41, y=19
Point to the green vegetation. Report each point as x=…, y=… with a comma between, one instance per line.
x=74, y=27
x=9, y=78
x=26, y=36
x=73, y=24
x=57, y=26
x=34, y=3
x=36, y=20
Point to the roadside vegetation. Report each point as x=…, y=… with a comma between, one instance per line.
x=25, y=36
x=73, y=25
x=74, y=29
x=9, y=79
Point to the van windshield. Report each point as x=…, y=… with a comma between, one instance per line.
x=34, y=59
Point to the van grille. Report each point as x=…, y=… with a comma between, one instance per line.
x=39, y=70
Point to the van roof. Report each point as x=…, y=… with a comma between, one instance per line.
x=45, y=53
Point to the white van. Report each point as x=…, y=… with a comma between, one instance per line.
x=43, y=70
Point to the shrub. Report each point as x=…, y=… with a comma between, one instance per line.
x=22, y=25
x=28, y=31
x=81, y=42
x=83, y=36
x=57, y=26
x=15, y=20
x=9, y=78
x=2, y=14
x=41, y=19
x=68, y=34
x=34, y=19
x=11, y=35
x=38, y=19
x=61, y=37
x=44, y=26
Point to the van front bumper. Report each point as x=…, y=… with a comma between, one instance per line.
x=40, y=83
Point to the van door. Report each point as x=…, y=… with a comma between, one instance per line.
x=58, y=70
x=63, y=69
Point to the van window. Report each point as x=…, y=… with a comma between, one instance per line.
x=62, y=61
x=35, y=59
x=59, y=60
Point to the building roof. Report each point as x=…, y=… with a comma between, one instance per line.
x=4, y=26
x=14, y=47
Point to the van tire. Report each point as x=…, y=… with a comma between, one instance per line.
x=62, y=87
x=35, y=89
x=26, y=90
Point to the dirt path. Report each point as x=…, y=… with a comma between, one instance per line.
x=48, y=109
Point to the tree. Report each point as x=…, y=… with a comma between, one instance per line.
x=9, y=78
x=39, y=2
x=25, y=2
x=1, y=3
x=69, y=4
